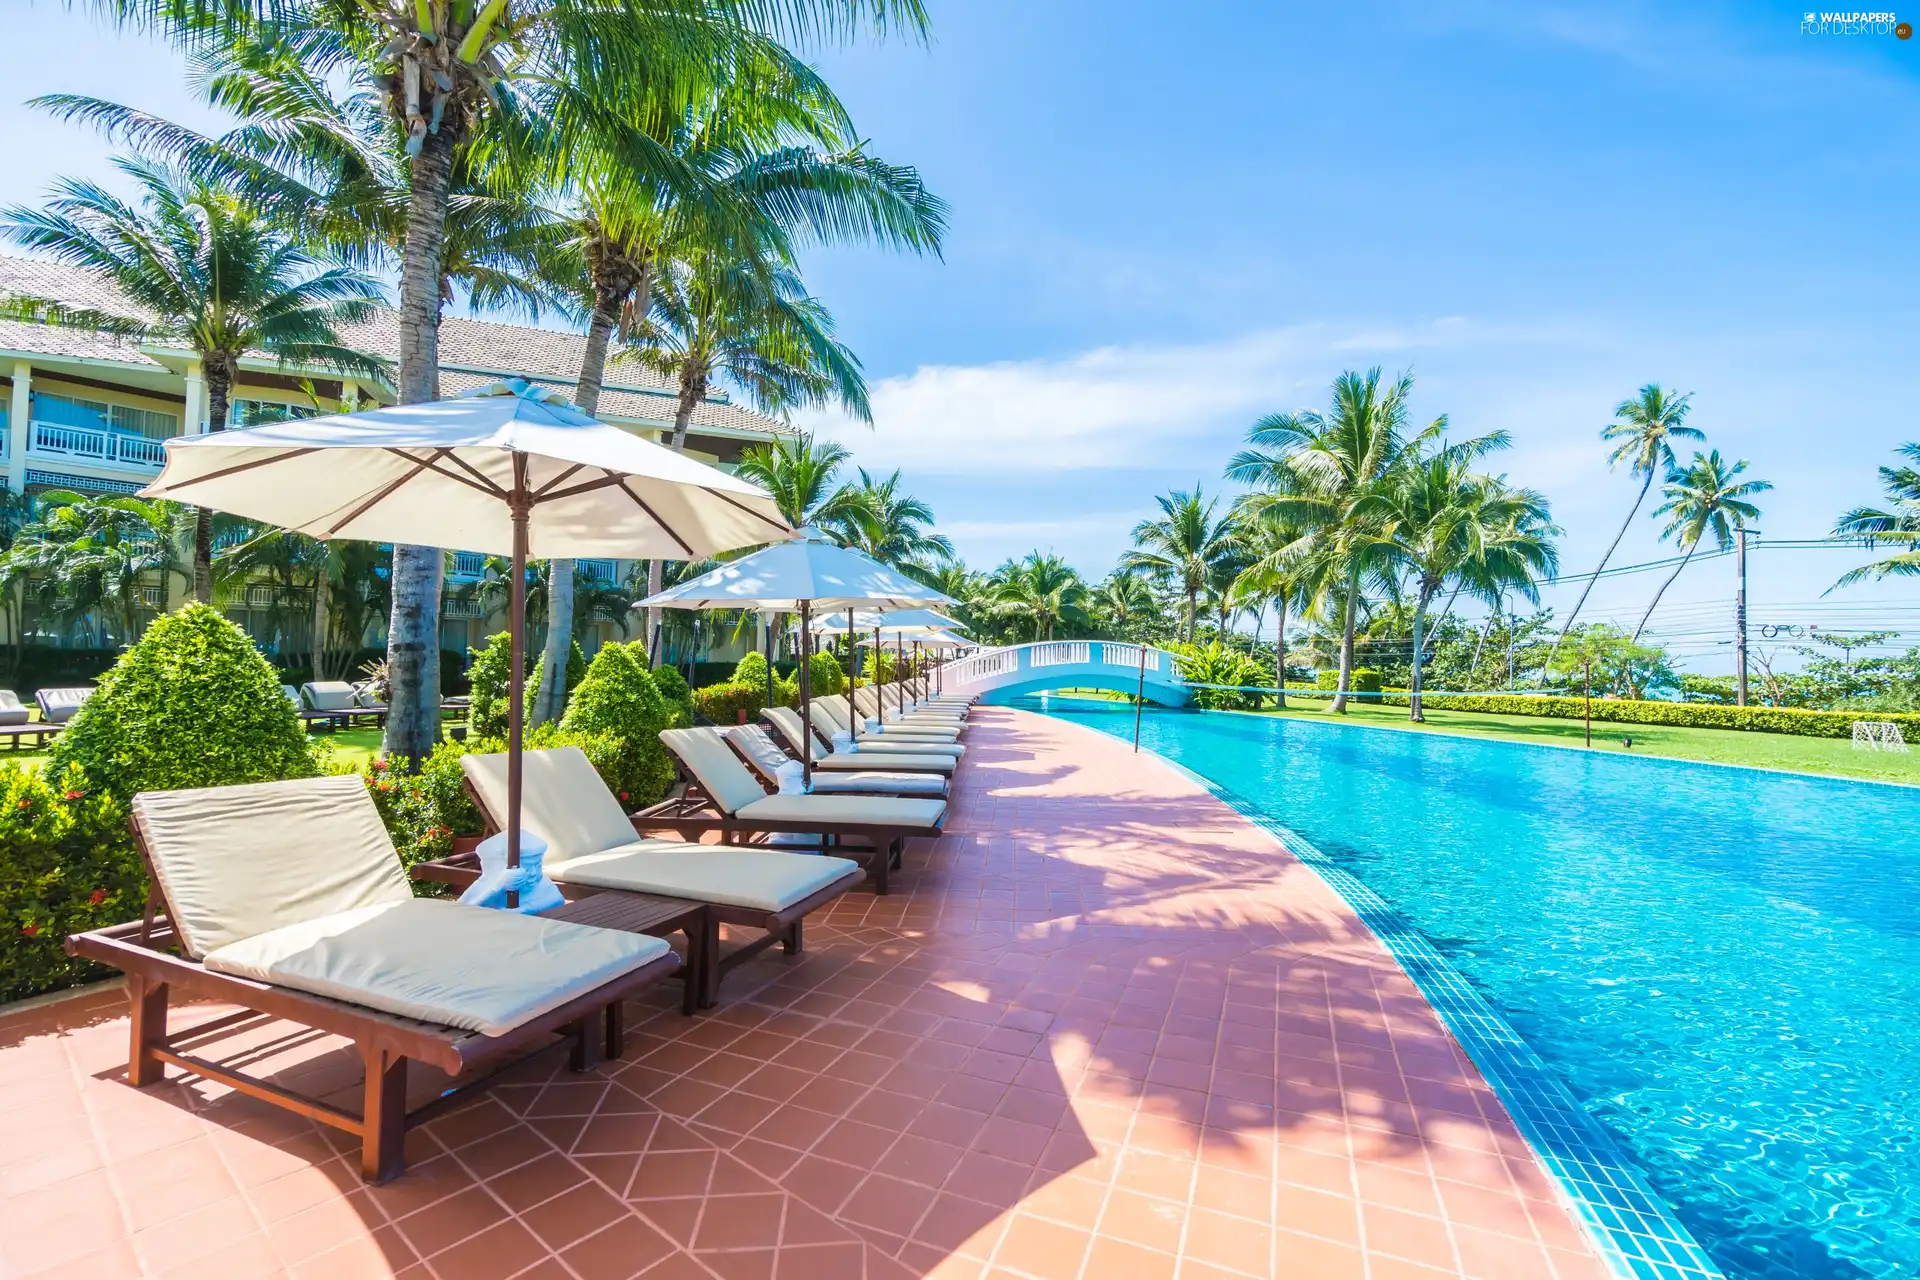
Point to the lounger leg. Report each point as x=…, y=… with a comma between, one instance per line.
x=149, y=1001
x=580, y=1051
x=693, y=973
x=792, y=942
x=383, y=1115
x=616, y=1027
x=881, y=864
x=709, y=961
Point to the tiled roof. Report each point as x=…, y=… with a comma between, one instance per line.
x=472, y=352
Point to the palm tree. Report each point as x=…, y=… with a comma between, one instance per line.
x=887, y=524
x=201, y=268
x=753, y=325
x=800, y=472
x=1897, y=522
x=1125, y=600
x=542, y=74
x=1645, y=428
x=1182, y=547
x=1276, y=571
x=1042, y=587
x=1441, y=523
x=1323, y=472
x=1708, y=496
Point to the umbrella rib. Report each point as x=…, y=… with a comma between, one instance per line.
x=541, y=492
x=655, y=516
x=237, y=468
x=477, y=474
x=612, y=478
x=484, y=485
x=781, y=525
x=384, y=493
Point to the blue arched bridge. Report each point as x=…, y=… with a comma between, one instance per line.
x=1001, y=674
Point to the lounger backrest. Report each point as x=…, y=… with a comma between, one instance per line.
x=365, y=695
x=762, y=753
x=863, y=699
x=826, y=725
x=708, y=758
x=329, y=695
x=58, y=705
x=787, y=721
x=10, y=701
x=834, y=709
x=563, y=800
x=235, y=862
x=293, y=695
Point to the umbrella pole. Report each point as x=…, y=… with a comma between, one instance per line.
x=806, y=698
x=853, y=665
x=879, y=690
x=521, y=504
x=770, y=620
x=900, y=671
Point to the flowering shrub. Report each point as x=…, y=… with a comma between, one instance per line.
x=67, y=864
x=424, y=811
x=724, y=703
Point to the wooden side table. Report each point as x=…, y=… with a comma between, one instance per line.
x=656, y=916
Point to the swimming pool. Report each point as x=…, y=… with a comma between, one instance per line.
x=1721, y=964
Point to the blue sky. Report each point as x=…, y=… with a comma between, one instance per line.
x=1170, y=219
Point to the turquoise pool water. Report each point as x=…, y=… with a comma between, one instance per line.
x=1722, y=964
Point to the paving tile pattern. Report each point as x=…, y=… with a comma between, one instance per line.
x=1104, y=1029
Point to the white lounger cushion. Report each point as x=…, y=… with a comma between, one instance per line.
x=752, y=878
x=827, y=782
x=563, y=800
x=871, y=761
x=485, y=971
x=890, y=745
x=330, y=695
x=236, y=862
x=856, y=810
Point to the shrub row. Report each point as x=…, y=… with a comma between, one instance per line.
x=1698, y=715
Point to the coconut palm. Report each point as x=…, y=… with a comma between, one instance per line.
x=877, y=518
x=1182, y=547
x=1124, y=600
x=541, y=74
x=1643, y=431
x=1707, y=496
x=1323, y=472
x=801, y=473
x=1277, y=571
x=1897, y=522
x=1044, y=588
x=753, y=325
x=200, y=268
x=1442, y=523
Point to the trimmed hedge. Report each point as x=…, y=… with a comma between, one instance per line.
x=621, y=701
x=1697, y=715
x=1364, y=681
x=722, y=703
x=673, y=687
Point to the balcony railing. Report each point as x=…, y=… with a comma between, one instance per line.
x=469, y=564
x=86, y=444
x=602, y=571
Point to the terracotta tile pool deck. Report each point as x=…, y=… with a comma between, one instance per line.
x=1104, y=1028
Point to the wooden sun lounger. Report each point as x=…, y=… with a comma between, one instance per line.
x=719, y=795
x=153, y=956
x=707, y=963
x=41, y=731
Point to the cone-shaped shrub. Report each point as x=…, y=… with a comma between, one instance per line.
x=620, y=700
x=192, y=704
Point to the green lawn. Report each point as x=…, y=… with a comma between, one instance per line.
x=350, y=747
x=1718, y=746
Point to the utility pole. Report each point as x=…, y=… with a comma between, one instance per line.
x=1740, y=621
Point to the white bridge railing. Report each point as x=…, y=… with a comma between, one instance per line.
x=992, y=667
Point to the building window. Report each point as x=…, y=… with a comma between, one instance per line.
x=97, y=415
x=255, y=413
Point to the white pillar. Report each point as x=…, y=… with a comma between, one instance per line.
x=196, y=423
x=349, y=395
x=19, y=426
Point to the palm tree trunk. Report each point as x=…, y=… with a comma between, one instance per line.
x=690, y=396
x=1193, y=612
x=1346, y=643
x=1280, y=652
x=1415, y=712
x=322, y=592
x=1484, y=633
x=1611, y=548
x=219, y=389
x=413, y=642
x=1663, y=590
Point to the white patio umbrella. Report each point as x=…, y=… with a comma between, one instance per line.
x=796, y=576
x=890, y=619
x=508, y=469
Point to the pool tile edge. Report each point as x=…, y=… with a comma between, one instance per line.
x=1629, y=1223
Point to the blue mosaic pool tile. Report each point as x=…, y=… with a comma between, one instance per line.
x=1633, y=1228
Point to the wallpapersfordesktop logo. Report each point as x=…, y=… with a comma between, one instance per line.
x=1854, y=24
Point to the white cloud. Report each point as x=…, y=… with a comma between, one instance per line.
x=1118, y=407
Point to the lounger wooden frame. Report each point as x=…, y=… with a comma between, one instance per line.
x=786, y=927
x=141, y=949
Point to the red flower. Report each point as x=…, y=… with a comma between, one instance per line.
x=32, y=930
x=379, y=764
x=26, y=804
x=623, y=795
x=76, y=795
x=99, y=896
x=383, y=785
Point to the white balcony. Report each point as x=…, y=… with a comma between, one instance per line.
x=122, y=450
